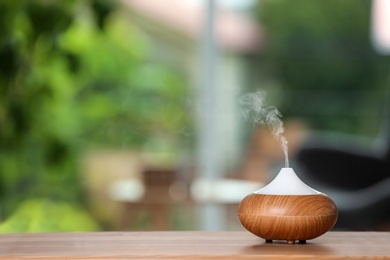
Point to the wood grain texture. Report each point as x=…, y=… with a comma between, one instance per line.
x=190, y=245
x=287, y=217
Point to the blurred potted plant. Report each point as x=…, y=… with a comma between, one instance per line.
x=74, y=75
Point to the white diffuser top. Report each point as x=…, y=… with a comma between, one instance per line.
x=287, y=183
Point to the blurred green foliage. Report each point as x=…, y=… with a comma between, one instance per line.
x=320, y=56
x=48, y=216
x=76, y=75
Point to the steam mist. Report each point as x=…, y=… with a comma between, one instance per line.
x=253, y=106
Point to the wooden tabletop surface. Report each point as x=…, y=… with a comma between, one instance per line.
x=191, y=245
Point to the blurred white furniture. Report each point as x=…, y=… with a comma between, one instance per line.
x=157, y=194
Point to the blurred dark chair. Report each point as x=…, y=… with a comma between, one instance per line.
x=354, y=172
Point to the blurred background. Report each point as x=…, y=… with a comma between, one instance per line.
x=125, y=114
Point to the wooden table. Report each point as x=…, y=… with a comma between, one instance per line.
x=191, y=245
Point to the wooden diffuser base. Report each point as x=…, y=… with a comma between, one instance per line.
x=287, y=217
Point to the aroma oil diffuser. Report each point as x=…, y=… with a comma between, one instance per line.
x=287, y=209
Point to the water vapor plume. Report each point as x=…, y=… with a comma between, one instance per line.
x=253, y=106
